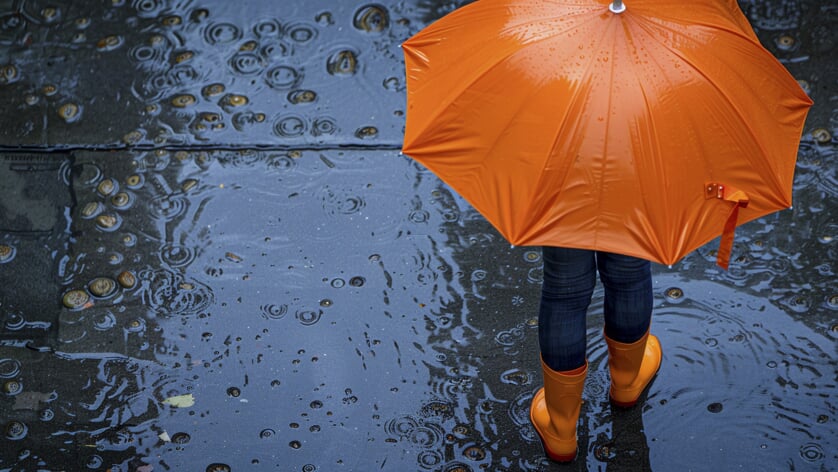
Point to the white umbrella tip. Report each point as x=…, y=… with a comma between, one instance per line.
x=617, y=6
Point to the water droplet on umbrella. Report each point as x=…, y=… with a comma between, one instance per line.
x=76, y=299
x=714, y=407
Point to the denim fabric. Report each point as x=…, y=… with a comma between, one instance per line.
x=569, y=281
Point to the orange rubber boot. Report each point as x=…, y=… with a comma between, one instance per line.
x=633, y=366
x=555, y=411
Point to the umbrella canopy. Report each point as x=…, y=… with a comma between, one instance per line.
x=646, y=132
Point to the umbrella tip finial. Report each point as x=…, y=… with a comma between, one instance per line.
x=617, y=6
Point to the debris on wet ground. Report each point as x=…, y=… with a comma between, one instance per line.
x=185, y=293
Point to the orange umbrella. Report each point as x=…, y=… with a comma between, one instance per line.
x=645, y=129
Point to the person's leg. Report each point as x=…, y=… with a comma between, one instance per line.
x=628, y=295
x=569, y=280
x=634, y=355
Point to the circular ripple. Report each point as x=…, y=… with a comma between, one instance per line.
x=167, y=293
x=246, y=63
x=176, y=256
x=283, y=77
x=341, y=202
x=9, y=368
x=222, y=33
x=147, y=8
x=267, y=29
x=290, y=126
x=104, y=322
x=274, y=312
x=323, y=126
x=401, y=427
x=168, y=207
x=308, y=317
x=301, y=32
x=812, y=452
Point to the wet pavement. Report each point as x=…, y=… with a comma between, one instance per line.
x=213, y=257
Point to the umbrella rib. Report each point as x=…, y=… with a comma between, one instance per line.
x=560, y=128
x=463, y=86
x=777, y=186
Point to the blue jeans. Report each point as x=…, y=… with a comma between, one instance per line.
x=569, y=280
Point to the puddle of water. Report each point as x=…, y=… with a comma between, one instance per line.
x=206, y=73
x=418, y=342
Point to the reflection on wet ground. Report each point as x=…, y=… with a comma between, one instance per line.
x=253, y=299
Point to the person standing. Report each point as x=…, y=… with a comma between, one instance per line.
x=634, y=355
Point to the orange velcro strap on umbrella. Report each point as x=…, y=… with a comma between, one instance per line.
x=740, y=200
